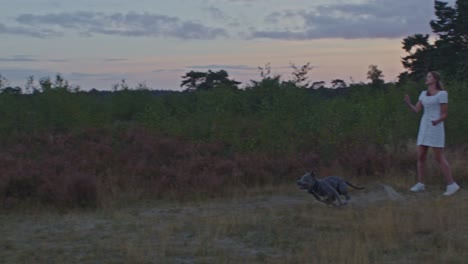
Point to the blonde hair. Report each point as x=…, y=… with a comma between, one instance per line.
x=436, y=76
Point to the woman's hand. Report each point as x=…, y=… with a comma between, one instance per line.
x=435, y=122
x=415, y=108
x=407, y=99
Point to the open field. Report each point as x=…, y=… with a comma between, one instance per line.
x=208, y=177
x=384, y=223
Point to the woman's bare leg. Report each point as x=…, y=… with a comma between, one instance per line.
x=444, y=165
x=422, y=155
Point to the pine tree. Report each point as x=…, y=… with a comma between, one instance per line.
x=449, y=53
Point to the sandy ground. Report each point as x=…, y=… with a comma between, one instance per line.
x=117, y=235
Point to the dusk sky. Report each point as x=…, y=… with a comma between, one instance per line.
x=97, y=43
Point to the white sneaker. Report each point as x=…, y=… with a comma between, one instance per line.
x=418, y=187
x=451, y=189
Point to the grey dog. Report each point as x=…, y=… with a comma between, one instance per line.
x=326, y=190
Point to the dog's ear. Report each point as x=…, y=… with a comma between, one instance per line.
x=312, y=173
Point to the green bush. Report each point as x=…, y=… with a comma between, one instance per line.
x=273, y=117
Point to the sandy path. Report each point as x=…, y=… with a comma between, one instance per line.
x=118, y=235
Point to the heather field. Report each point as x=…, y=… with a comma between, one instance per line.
x=138, y=176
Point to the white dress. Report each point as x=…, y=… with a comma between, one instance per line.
x=430, y=135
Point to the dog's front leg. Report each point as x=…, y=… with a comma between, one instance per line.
x=317, y=197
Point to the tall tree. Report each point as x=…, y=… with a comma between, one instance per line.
x=449, y=52
x=338, y=83
x=317, y=85
x=375, y=75
x=300, y=74
x=207, y=80
x=3, y=81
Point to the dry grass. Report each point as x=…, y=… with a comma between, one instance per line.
x=265, y=224
x=269, y=225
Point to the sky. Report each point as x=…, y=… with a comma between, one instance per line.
x=98, y=43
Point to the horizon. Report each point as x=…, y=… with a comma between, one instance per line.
x=96, y=45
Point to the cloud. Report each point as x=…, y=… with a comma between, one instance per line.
x=17, y=58
x=223, y=67
x=241, y=18
x=58, y=60
x=109, y=76
x=217, y=13
x=130, y=24
x=20, y=75
x=114, y=60
x=28, y=31
x=167, y=70
x=373, y=19
x=27, y=58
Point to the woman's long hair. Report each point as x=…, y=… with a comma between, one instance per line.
x=436, y=76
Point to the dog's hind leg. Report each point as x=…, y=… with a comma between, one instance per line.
x=334, y=193
x=343, y=191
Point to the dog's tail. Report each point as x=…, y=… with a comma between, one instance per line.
x=355, y=187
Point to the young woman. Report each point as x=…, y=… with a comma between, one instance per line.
x=431, y=130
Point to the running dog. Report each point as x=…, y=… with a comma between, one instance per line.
x=326, y=190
